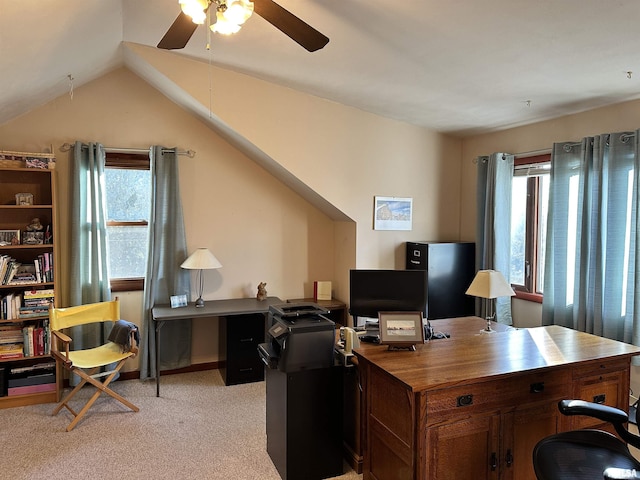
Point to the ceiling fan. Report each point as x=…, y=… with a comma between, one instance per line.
x=194, y=12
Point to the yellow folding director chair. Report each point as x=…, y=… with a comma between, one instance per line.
x=122, y=345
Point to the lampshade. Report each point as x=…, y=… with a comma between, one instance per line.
x=201, y=259
x=195, y=9
x=224, y=26
x=238, y=11
x=231, y=15
x=490, y=284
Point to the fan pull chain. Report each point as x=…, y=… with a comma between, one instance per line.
x=70, y=77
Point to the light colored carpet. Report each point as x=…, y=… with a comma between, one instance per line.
x=197, y=429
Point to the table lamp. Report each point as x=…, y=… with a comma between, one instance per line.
x=489, y=284
x=201, y=259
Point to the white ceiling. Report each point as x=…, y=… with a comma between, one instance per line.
x=456, y=66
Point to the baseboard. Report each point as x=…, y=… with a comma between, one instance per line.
x=198, y=367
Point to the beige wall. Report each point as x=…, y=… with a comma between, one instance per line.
x=346, y=155
x=260, y=229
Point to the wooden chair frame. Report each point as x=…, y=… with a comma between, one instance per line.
x=60, y=343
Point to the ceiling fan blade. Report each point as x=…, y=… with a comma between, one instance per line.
x=179, y=33
x=285, y=21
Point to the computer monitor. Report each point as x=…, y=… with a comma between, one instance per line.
x=372, y=291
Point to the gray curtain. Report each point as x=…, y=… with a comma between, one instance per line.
x=167, y=250
x=591, y=280
x=88, y=267
x=493, y=228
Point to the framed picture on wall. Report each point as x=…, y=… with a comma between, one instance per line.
x=392, y=213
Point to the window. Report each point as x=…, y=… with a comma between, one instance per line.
x=128, y=199
x=529, y=203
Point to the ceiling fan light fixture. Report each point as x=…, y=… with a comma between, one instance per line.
x=238, y=11
x=195, y=9
x=223, y=26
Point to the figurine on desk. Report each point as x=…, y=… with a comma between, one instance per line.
x=262, y=291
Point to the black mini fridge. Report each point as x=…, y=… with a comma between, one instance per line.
x=304, y=393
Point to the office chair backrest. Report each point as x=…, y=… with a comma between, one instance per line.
x=60, y=318
x=586, y=454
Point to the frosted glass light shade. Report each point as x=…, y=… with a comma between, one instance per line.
x=195, y=9
x=490, y=284
x=201, y=259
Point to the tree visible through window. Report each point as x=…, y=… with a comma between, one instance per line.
x=128, y=199
x=529, y=204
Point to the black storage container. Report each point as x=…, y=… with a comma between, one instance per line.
x=4, y=375
x=450, y=270
x=304, y=393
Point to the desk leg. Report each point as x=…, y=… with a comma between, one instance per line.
x=158, y=327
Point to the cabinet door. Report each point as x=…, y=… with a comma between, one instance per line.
x=604, y=382
x=465, y=449
x=522, y=430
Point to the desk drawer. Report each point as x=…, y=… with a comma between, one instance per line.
x=244, y=369
x=514, y=392
x=245, y=332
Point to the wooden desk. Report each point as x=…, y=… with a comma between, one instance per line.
x=475, y=406
x=212, y=308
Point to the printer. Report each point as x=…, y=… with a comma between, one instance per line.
x=303, y=393
x=299, y=338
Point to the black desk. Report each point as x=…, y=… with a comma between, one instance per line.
x=212, y=308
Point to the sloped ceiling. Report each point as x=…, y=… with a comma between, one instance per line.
x=460, y=67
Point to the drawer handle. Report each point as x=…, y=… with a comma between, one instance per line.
x=465, y=400
x=509, y=458
x=494, y=461
x=244, y=370
x=536, y=387
x=599, y=398
x=250, y=339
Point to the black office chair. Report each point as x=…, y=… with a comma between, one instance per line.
x=588, y=454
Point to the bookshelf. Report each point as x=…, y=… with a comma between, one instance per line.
x=28, y=278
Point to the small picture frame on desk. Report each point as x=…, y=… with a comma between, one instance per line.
x=178, y=301
x=401, y=330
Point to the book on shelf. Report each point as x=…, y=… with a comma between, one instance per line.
x=45, y=293
x=13, y=272
x=9, y=306
x=28, y=341
x=322, y=290
x=6, y=264
x=12, y=269
x=10, y=334
x=11, y=350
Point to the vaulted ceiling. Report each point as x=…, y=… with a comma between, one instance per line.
x=457, y=66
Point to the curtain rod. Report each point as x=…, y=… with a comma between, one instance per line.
x=533, y=153
x=189, y=153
